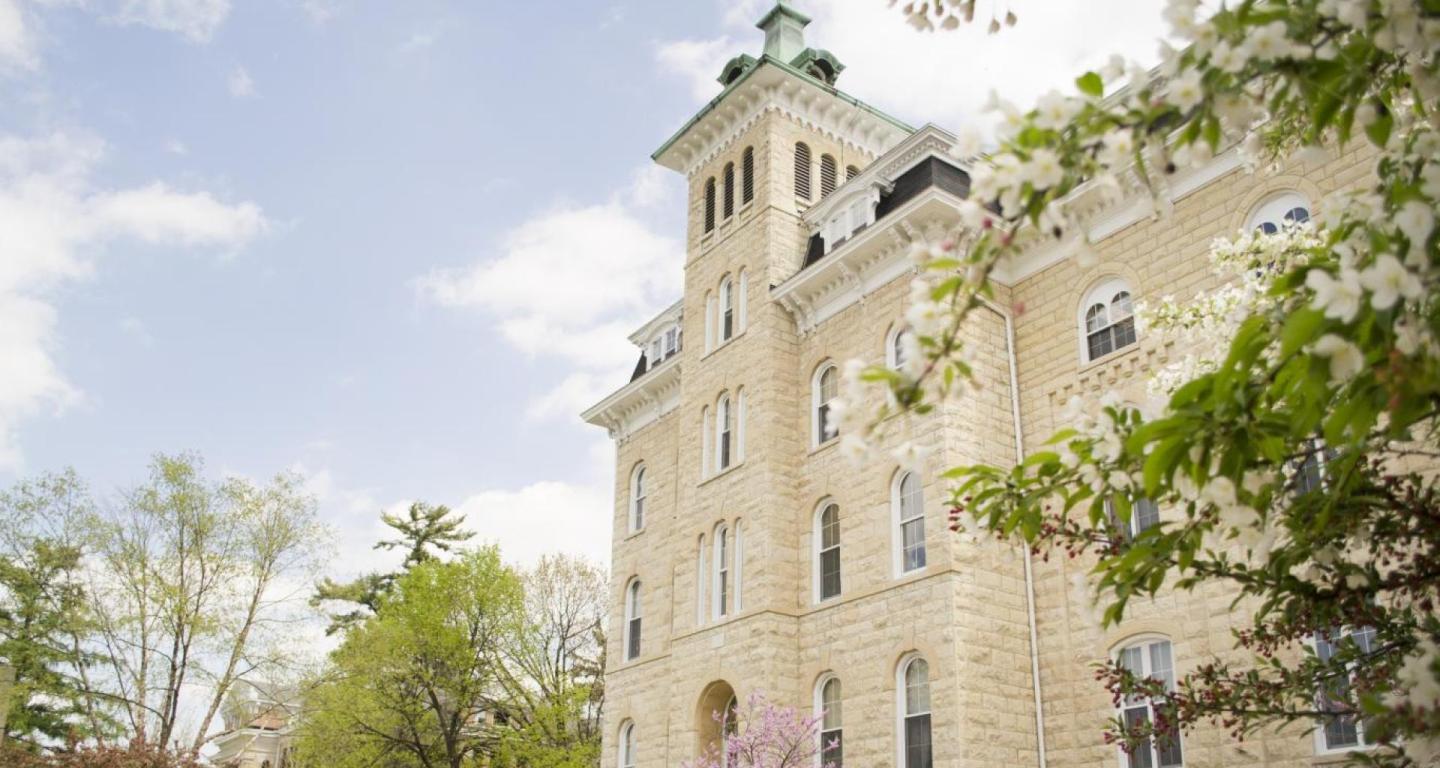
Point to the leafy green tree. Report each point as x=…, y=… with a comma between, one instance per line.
x=423, y=529
x=420, y=682
x=1298, y=451
x=44, y=613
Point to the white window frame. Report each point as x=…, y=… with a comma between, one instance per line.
x=726, y=293
x=721, y=585
x=637, y=498
x=1322, y=745
x=897, y=523
x=737, y=558
x=1131, y=527
x=626, y=758
x=819, y=421
x=725, y=457
x=902, y=705
x=1145, y=643
x=1276, y=210
x=634, y=620
x=819, y=711
x=818, y=550
x=1105, y=292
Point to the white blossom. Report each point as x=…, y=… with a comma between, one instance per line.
x=1230, y=58
x=1271, y=42
x=910, y=456
x=1116, y=149
x=1044, y=169
x=1388, y=280
x=1346, y=359
x=1054, y=110
x=1416, y=681
x=1340, y=299
x=1416, y=220
x=1186, y=90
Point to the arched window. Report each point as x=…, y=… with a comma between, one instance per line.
x=727, y=309
x=729, y=190
x=1149, y=659
x=1108, y=319
x=632, y=620
x=895, y=346
x=913, y=687
x=829, y=174
x=706, y=462
x=747, y=175
x=724, y=433
x=1276, y=212
x=710, y=204
x=802, y=171
x=637, y=498
x=827, y=551
x=825, y=390
x=721, y=591
x=827, y=710
x=851, y=172
x=1342, y=731
x=700, y=574
x=908, y=501
x=627, y=745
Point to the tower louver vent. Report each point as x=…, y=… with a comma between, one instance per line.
x=828, y=175
x=747, y=176
x=802, y=171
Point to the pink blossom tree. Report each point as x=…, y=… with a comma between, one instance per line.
x=766, y=735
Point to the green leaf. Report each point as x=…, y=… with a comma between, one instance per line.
x=1090, y=84
x=1379, y=131
x=1301, y=328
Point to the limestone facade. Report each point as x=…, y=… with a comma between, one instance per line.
x=993, y=647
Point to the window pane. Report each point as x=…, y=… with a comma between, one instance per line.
x=1145, y=514
x=1267, y=228
x=830, y=527
x=1160, y=666
x=1120, y=307
x=1134, y=718
x=1167, y=749
x=917, y=742
x=1297, y=215
x=912, y=502
x=1100, y=343
x=917, y=687
x=829, y=573
x=913, y=535
x=1124, y=333
x=830, y=701
x=1340, y=733
x=634, y=649
x=832, y=752
x=1095, y=318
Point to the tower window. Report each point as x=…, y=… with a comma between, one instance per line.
x=632, y=620
x=627, y=745
x=831, y=746
x=914, y=687
x=710, y=204
x=909, y=510
x=802, y=171
x=747, y=176
x=827, y=560
x=729, y=190
x=724, y=433
x=826, y=391
x=722, y=571
x=637, y=499
x=828, y=174
x=727, y=310
x=1343, y=731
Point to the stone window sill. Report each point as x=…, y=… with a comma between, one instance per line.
x=1104, y=360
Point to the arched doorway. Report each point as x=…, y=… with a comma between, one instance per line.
x=715, y=718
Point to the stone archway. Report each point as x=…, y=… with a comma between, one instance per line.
x=715, y=716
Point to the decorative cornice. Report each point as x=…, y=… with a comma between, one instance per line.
x=670, y=316
x=639, y=403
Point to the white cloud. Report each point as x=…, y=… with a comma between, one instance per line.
x=418, y=41
x=240, y=84
x=320, y=11
x=542, y=518
x=17, y=39
x=54, y=221
x=195, y=20
x=699, y=61
x=572, y=283
x=941, y=77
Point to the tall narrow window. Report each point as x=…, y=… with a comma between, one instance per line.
x=1109, y=319
x=727, y=309
x=915, y=714
x=828, y=175
x=827, y=526
x=627, y=745
x=802, y=171
x=832, y=746
x=851, y=172
x=700, y=574
x=747, y=175
x=724, y=433
x=910, y=518
x=1343, y=730
x=632, y=620
x=637, y=499
x=896, y=345
x=722, y=571
x=710, y=204
x=729, y=190
x=826, y=391
x=1149, y=660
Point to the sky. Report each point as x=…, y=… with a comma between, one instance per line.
x=396, y=247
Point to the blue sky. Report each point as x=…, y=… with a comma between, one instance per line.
x=393, y=246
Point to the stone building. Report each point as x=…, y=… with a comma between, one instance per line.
x=749, y=555
x=258, y=727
